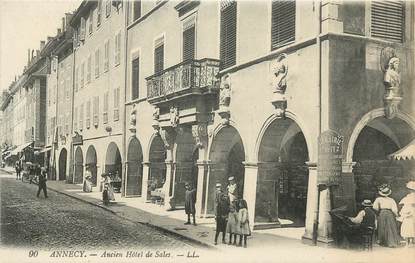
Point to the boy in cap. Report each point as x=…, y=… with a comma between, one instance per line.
x=189, y=203
x=221, y=212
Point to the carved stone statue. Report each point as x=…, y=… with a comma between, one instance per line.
x=225, y=91
x=280, y=72
x=392, y=78
x=133, y=119
x=389, y=63
x=174, y=117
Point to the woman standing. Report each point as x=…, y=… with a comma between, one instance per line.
x=408, y=215
x=244, y=221
x=388, y=211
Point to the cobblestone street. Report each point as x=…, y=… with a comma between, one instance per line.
x=62, y=222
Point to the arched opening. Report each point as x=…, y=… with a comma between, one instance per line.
x=79, y=166
x=62, y=164
x=157, y=158
x=134, y=178
x=113, y=165
x=281, y=196
x=379, y=138
x=91, y=163
x=185, y=171
x=226, y=155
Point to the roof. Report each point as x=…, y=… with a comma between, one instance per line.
x=406, y=153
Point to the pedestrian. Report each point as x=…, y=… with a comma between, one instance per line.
x=232, y=190
x=42, y=182
x=189, y=203
x=87, y=186
x=233, y=224
x=408, y=215
x=243, y=218
x=31, y=172
x=106, y=181
x=221, y=212
x=366, y=217
x=387, y=212
x=18, y=170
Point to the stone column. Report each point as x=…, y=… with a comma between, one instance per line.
x=144, y=185
x=201, y=187
x=312, y=202
x=250, y=185
x=166, y=187
x=325, y=224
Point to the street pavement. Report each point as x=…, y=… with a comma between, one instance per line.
x=63, y=222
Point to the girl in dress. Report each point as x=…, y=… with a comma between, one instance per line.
x=388, y=211
x=244, y=222
x=408, y=215
x=233, y=225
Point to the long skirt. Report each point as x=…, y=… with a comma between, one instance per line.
x=388, y=229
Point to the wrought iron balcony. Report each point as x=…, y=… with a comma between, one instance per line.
x=188, y=77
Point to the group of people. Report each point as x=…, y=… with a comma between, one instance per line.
x=33, y=170
x=383, y=215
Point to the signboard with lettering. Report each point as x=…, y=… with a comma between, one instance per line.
x=330, y=154
x=77, y=139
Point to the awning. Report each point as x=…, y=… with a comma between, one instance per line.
x=406, y=153
x=20, y=148
x=43, y=150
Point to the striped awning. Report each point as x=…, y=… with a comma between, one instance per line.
x=20, y=148
x=406, y=153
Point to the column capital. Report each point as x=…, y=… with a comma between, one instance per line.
x=248, y=164
x=312, y=165
x=347, y=167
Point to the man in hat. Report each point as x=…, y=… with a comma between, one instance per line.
x=221, y=212
x=232, y=190
x=366, y=217
x=42, y=182
x=189, y=203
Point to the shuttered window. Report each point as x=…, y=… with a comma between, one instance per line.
x=135, y=74
x=97, y=63
x=159, y=58
x=228, y=33
x=99, y=11
x=136, y=9
x=189, y=43
x=91, y=21
x=88, y=114
x=387, y=20
x=81, y=117
x=282, y=23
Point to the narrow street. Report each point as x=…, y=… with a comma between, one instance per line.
x=63, y=222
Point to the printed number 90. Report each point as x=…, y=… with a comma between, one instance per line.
x=33, y=253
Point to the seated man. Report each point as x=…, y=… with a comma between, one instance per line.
x=366, y=217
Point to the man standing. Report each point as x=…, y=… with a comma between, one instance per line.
x=18, y=170
x=42, y=183
x=189, y=203
x=221, y=212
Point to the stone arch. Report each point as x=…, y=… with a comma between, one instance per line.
x=79, y=166
x=134, y=176
x=157, y=163
x=62, y=164
x=113, y=165
x=91, y=163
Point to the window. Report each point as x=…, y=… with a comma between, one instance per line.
x=82, y=29
x=135, y=78
x=81, y=117
x=159, y=56
x=76, y=78
x=67, y=121
x=136, y=9
x=228, y=33
x=105, y=112
x=106, y=55
x=387, y=20
x=116, y=104
x=82, y=74
x=99, y=11
x=189, y=40
x=117, y=49
x=282, y=23
x=108, y=8
x=91, y=21
x=97, y=63
x=75, y=119
x=88, y=114
x=96, y=111
x=88, y=70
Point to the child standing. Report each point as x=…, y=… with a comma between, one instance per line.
x=243, y=218
x=233, y=225
x=408, y=215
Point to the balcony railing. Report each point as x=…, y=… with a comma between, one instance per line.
x=188, y=75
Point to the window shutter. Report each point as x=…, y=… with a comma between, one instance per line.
x=283, y=23
x=91, y=21
x=387, y=20
x=108, y=8
x=136, y=10
x=75, y=121
x=159, y=58
x=228, y=33
x=81, y=117
x=189, y=43
x=82, y=74
x=106, y=55
x=96, y=111
x=82, y=29
x=99, y=11
x=135, y=78
x=116, y=104
x=88, y=70
x=88, y=114
x=97, y=63
x=105, y=111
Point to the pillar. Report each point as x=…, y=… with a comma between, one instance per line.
x=166, y=187
x=325, y=223
x=144, y=185
x=250, y=183
x=201, y=175
x=312, y=202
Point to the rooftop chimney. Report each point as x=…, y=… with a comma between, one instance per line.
x=59, y=31
x=42, y=44
x=63, y=24
x=28, y=56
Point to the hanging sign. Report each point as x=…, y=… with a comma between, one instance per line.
x=330, y=154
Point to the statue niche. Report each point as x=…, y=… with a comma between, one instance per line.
x=225, y=99
x=279, y=84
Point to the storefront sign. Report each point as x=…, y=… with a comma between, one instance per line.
x=77, y=139
x=330, y=149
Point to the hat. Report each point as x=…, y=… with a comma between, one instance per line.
x=411, y=185
x=186, y=184
x=384, y=190
x=218, y=185
x=367, y=202
x=43, y=169
x=231, y=178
